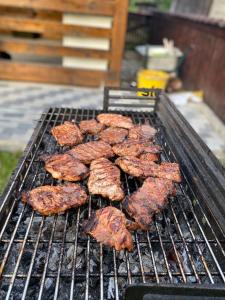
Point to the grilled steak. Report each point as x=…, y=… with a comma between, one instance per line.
x=48, y=200
x=108, y=226
x=149, y=157
x=90, y=151
x=67, y=134
x=138, y=168
x=105, y=180
x=148, y=200
x=90, y=126
x=65, y=167
x=142, y=132
x=113, y=135
x=135, y=148
x=115, y=120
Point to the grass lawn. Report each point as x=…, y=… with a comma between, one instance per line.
x=8, y=162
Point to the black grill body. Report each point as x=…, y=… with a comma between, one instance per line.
x=51, y=258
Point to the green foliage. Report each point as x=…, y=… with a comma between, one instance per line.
x=160, y=4
x=8, y=162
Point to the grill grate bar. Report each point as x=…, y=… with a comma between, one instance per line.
x=4, y=261
x=29, y=275
x=191, y=259
x=175, y=250
x=19, y=258
x=65, y=226
x=199, y=226
x=81, y=275
x=218, y=241
x=189, y=227
x=74, y=256
x=152, y=257
x=202, y=232
x=52, y=232
x=88, y=240
x=74, y=259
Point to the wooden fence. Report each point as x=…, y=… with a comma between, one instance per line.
x=35, y=29
x=204, y=39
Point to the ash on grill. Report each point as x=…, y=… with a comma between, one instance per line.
x=58, y=259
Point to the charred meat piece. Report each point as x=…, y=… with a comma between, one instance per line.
x=113, y=135
x=148, y=200
x=67, y=134
x=91, y=150
x=115, y=120
x=142, y=132
x=135, y=148
x=167, y=170
x=65, y=167
x=48, y=200
x=105, y=180
x=138, y=168
x=90, y=126
x=149, y=157
x=108, y=226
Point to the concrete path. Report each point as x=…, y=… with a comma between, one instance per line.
x=21, y=104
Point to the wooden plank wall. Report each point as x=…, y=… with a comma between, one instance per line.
x=204, y=67
x=35, y=28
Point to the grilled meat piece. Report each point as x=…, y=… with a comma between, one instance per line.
x=149, y=157
x=67, y=134
x=138, y=168
x=135, y=148
x=48, y=200
x=105, y=180
x=108, y=226
x=142, y=132
x=113, y=135
x=148, y=200
x=90, y=151
x=65, y=167
x=115, y=120
x=90, y=126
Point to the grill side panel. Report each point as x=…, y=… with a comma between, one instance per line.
x=203, y=171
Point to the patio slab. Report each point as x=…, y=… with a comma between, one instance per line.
x=21, y=105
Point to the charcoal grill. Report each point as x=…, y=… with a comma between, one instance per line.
x=50, y=258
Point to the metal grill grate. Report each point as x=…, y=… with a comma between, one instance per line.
x=50, y=258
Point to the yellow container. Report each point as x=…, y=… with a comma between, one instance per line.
x=152, y=79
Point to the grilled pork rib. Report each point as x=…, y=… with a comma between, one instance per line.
x=90, y=151
x=138, y=168
x=90, y=126
x=113, y=135
x=65, y=167
x=142, y=132
x=67, y=134
x=135, y=148
x=148, y=200
x=48, y=200
x=105, y=180
x=115, y=120
x=108, y=226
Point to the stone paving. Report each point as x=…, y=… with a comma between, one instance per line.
x=21, y=104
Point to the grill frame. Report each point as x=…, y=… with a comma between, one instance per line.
x=166, y=111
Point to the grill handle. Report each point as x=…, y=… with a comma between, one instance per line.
x=135, y=98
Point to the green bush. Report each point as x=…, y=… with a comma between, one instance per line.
x=8, y=162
